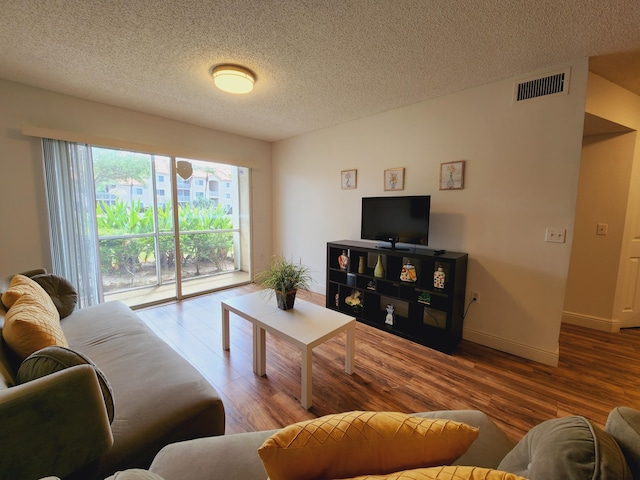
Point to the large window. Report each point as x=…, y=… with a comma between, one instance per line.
x=143, y=243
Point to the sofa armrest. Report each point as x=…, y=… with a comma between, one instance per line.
x=53, y=425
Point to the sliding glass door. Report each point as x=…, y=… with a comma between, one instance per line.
x=163, y=218
x=208, y=226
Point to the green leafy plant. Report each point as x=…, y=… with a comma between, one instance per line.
x=285, y=276
x=198, y=246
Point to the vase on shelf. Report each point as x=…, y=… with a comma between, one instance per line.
x=439, y=277
x=361, y=265
x=343, y=260
x=378, y=272
x=408, y=273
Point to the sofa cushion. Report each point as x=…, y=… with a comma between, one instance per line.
x=570, y=448
x=623, y=424
x=492, y=443
x=160, y=397
x=62, y=292
x=32, y=321
x=53, y=359
x=446, y=472
x=356, y=443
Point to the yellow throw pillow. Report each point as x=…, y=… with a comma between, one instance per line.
x=445, y=473
x=357, y=443
x=32, y=321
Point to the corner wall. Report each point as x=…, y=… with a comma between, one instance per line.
x=521, y=176
x=24, y=241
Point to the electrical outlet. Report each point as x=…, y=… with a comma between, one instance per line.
x=475, y=296
x=602, y=229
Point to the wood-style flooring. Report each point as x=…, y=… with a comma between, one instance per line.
x=597, y=372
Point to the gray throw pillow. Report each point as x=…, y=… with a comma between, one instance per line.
x=61, y=291
x=571, y=448
x=623, y=424
x=54, y=359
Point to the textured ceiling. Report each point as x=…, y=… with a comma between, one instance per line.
x=318, y=63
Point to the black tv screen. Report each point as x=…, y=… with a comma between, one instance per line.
x=396, y=219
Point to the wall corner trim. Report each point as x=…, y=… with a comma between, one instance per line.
x=590, y=321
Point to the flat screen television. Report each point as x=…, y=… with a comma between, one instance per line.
x=396, y=219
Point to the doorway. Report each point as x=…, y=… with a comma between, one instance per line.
x=603, y=279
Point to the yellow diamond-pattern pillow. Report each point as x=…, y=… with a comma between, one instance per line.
x=356, y=443
x=445, y=473
x=32, y=321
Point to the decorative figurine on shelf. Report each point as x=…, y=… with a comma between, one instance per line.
x=355, y=300
x=361, y=265
x=378, y=272
x=389, y=319
x=439, y=277
x=343, y=260
x=424, y=297
x=337, y=299
x=408, y=272
x=371, y=285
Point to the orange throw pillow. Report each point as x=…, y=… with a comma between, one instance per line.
x=357, y=443
x=32, y=321
x=445, y=473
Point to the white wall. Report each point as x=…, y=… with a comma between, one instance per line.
x=24, y=236
x=521, y=176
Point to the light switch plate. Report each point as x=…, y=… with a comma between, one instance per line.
x=555, y=234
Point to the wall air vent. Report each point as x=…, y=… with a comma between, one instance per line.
x=528, y=88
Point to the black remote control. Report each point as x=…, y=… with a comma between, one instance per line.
x=439, y=252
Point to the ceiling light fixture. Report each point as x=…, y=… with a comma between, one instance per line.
x=233, y=79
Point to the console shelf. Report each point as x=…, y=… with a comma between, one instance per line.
x=425, y=311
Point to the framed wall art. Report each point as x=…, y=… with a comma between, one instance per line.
x=452, y=175
x=394, y=179
x=349, y=179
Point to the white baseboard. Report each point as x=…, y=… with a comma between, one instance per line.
x=514, y=348
x=590, y=321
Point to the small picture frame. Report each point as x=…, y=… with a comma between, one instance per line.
x=452, y=175
x=394, y=179
x=349, y=179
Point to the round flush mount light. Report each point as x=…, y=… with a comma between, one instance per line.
x=233, y=79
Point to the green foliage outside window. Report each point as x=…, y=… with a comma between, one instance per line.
x=126, y=255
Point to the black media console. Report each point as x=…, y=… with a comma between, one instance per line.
x=428, y=310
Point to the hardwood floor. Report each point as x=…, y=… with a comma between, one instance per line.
x=597, y=372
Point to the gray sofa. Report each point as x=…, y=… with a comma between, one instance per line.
x=235, y=456
x=569, y=448
x=59, y=424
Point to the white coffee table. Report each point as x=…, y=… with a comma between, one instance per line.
x=305, y=326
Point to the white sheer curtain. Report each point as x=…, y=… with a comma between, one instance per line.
x=73, y=231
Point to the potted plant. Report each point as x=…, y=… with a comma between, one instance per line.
x=285, y=278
